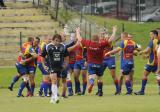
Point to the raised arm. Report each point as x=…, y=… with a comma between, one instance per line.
x=113, y=36
x=78, y=34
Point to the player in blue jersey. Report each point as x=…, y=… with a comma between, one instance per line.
x=151, y=66
x=127, y=47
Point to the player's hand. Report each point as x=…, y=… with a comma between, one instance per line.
x=114, y=29
x=78, y=30
x=141, y=52
x=22, y=62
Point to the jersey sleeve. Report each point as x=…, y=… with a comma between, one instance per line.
x=85, y=43
x=150, y=45
x=70, y=44
x=105, y=43
x=121, y=45
x=44, y=52
x=66, y=53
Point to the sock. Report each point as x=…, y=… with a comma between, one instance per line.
x=117, y=85
x=84, y=83
x=54, y=90
x=15, y=79
x=100, y=86
x=64, y=89
x=22, y=86
x=28, y=87
x=45, y=87
x=144, y=82
x=49, y=87
x=69, y=86
x=32, y=88
x=41, y=86
x=128, y=86
x=84, y=87
x=77, y=86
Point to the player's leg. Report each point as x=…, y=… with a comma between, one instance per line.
x=84, y=77
x=77, y=71
x=131, y=78
x=16, y=77
x=128, y=83
x=121, y=81
x=64, y=83
x=146, y=72
x=69, y=80
x=32, y=79
x=112, y=68
x=100, y=85
x=92, y=76
x=115, y=79
x=45, y=80
x=54, y=97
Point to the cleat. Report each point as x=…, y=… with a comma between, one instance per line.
x=29, y=94
x=100, y=94
x=10, y=88
x=96, y=93
x=40, y=93
x=79, y=93
x=117, y=93
x=64, y=97
x=20, y=96
x=128, y=93
x=57, y=100
x=70, y=94
x=139, y=93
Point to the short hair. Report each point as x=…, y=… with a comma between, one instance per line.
x=155, y=32
x=30, y=39
x=57, y=36
x=125, y=33
x=38, y=39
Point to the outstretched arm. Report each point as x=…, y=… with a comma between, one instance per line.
x=114, y=51
x=78, y=34
x=113, y=36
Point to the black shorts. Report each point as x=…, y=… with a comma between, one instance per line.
x=60, y=73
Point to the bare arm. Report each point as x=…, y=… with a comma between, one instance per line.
x=113, y=36
x=114, y=51
x=78, y=34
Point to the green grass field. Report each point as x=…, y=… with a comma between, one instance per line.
x=89, y=103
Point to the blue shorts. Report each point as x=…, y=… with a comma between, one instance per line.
x=31, y=70
x=41, y=68
x=127, y=66
x=150, y=68
x=80, y=65
x=109, y=62
x=70, y=67
x=95, y=69
x=21, y=69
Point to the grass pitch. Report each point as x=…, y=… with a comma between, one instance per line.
x=88, y=103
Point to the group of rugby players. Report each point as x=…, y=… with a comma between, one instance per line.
x=58, y=60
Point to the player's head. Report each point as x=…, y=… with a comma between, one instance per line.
x=36, y=41
x=30, y=40
x=124, y=35
x=130, y=36
x=158, y=30
x=47, y=39
x=153, y=34
x=63, y=37
x=57, y=39
x=95, y=38
x=73, y=37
